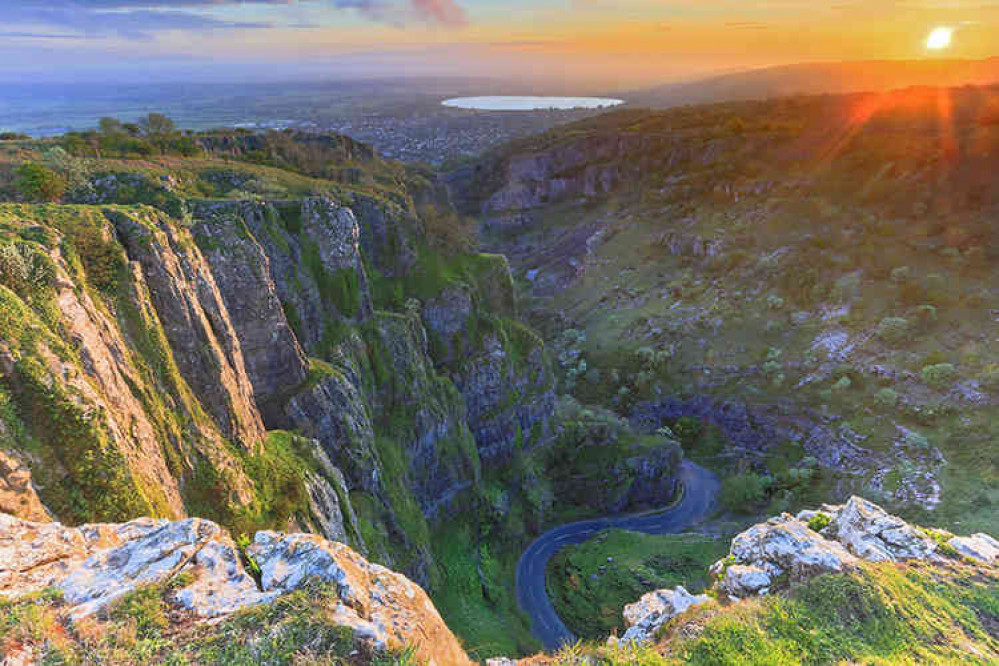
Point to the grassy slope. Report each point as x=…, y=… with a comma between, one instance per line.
x=590, y=584
x=833, y=215
x=882, y=614
x=145, y=627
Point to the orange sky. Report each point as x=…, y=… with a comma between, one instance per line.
x=598, y=42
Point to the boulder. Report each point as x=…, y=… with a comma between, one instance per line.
x=647, y=615
x=36, y=556
x=781, y=547
x=741, y=580
x=384, y=608
x=979, y=547
x=871, y=533
x=197, y=546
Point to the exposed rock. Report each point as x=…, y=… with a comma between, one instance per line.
x=505, y=398
x=381, y=606
x=980, y=547
x=35, y=556
x=335, y=230
x=196, y=321
x=94, y=565
x=869, y=532
x=17, y=494
x=781, y=547
x=275, y=363
x=334, y=413
x=220, y=586
x=740, y=580
x=330, y=503
x=108, y=381
x=646, y=616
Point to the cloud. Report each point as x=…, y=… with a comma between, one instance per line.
x=141, y=19
x=445, y=12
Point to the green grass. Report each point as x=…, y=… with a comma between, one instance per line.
x=881, y=614
x=590, y=584
x=299, y=628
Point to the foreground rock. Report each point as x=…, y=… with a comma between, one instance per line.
x=383, y=608
x=647, y=616
x=787, y=549
x=781, y=547
x=871, y=533
x=979, y=547
x=95, y=565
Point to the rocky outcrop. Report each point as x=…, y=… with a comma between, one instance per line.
x=382, y=607
x=427, y=415
x=871, y=533
x=786, y=549
x=333, y=412
x=17, y=493
x=196, y=321
x=275, y=363
x=649, y=614
x=95, y=565
x=979, y=547
x=783, y=547
x=315, y=263
x=154, y=552
x=106, y=382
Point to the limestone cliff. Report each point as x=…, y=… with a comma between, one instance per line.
x=195, y=572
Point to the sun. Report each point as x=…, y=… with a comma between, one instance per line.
x=940, y=39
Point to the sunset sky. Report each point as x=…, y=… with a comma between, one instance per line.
x=598, y=43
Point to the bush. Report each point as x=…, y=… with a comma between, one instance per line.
x=38, y=183
x=894, y=331
x=740, y=493
x=940, y=376
x=819, y=522
x=886, y=399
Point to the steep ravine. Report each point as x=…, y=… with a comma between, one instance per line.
x=253, y=317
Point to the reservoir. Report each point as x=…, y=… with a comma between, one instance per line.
x=514, y=103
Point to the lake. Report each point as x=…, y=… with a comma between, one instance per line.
x=511, y=103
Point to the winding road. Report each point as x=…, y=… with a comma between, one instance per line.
x=700, y=489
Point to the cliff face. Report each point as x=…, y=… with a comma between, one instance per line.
x=194, y=336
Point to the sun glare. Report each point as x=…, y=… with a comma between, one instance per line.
x=939, y=39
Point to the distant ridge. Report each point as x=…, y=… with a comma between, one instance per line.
x=820, y=78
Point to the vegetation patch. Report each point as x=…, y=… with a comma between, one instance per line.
x=590, y=584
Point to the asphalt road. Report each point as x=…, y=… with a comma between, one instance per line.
x=700, y=490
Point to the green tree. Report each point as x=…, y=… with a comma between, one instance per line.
x=157, y=125
x=37, y=183
x=740, y=493
x=110, y=126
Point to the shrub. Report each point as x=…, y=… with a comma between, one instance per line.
x=843, y=385
x=886, y=399
x=740, y=493
x=819, y=522
x=940, y=376
x=894, y=331
x=38, y=183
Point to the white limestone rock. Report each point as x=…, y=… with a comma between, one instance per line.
x=384, y=608
x=979, y=547
x=871, y=533
x=647, y=615
x=220, y=586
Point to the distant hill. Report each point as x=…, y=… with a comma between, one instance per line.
x=817, y=78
